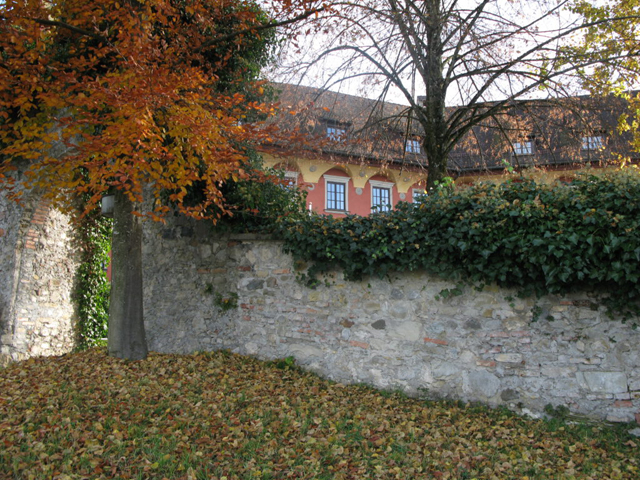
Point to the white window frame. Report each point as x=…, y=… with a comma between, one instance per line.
x=336, y=134
x=291, y=178
x=412, y=146
x=523, y=148
x=386, y=186
x=592, y=143
x=336, y=179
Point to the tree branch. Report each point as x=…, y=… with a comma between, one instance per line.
x=73, y=28
x=259, y=28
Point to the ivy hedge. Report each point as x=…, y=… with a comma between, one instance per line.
x=539, y=238
x=92, y=289
x=255, y=203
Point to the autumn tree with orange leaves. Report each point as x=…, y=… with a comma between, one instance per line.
x=134, y=97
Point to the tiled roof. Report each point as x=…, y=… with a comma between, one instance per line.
x=373, y=130
x=377, y=131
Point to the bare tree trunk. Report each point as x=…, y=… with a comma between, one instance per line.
x=126, y=322
x=437, y=169
x=433, y=117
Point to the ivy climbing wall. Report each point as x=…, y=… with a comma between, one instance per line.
x=242, y=293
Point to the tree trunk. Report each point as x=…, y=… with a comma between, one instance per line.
x=126, y=322
x=437, y=168
x=433, y=118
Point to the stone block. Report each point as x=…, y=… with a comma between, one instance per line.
x=314, y=296
x=251, y=348
x=436, y=341
x=303, y=353
x=620, y=417
x=486, y=363
x=397, y=294
x=399, y=311
x=379, y=325
x=472, y=324
x=372, y=307
x=601, y=346
x=585, y=361
x=413, y=295
x=406, y=374
x=514, y=323
x=553, y=371
x=282, y=271
x=346, y=323
x=509, y=394
x=449, y=311
x=410, y=331
x=205, y=251
x=467, y=357
x=427, y=376
x=508, y=357
x=445, y=370
x=481, y=384
x=604, y=382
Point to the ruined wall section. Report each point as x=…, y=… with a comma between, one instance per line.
x=14, y=220
x=38, y=261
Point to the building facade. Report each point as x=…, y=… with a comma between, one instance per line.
x=363, y=156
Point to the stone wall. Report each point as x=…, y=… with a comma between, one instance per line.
x=393, y=333
x=10, y=231
x=37, y=270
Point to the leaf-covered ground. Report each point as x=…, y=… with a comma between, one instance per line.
x=217, y=415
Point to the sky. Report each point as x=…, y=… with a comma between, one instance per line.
x=291, y=67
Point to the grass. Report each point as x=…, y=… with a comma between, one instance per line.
x=218, y=415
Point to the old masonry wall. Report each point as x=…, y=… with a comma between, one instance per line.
x=37, y=271
x=241, y=293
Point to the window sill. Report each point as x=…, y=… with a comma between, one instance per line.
x=344, y=212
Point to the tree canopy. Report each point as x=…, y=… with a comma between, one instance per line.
x=125, y=94
x=161, y=97
x=619, y=77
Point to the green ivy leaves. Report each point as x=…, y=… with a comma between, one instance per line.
x=539, y=238
x=92, y=286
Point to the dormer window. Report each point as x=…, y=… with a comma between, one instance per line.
x=336, y=134
x=593, y=143
x=412, y=146
x=523, y=148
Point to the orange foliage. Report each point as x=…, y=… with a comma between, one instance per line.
x=123, y=94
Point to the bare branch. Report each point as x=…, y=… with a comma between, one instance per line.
x=258, y=28
x=492, y=54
